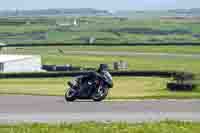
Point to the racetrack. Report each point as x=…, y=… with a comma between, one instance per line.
x=125, y=53
x=55, y=109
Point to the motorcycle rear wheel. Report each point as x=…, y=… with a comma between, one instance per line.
x=69, y=95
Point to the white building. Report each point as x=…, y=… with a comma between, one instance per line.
x=2, y=47
x=75, y=22
x=2, y=44
x=20, y=63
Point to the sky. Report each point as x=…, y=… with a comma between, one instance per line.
x=100, y=4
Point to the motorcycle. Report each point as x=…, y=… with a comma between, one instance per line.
x=83, y=87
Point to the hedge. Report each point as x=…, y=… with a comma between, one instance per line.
x=104, y=44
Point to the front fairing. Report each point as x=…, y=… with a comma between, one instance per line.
x=108, y=79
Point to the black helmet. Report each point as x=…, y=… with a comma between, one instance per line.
x=103, y=67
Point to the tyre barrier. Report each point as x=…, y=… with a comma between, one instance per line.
x=60, y=68
x=162, y=74
x=181, y=87
x=40, y=75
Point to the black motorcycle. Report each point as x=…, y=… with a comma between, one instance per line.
x=85, y=87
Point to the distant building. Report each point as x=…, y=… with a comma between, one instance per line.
x=68, y=24
x=75, y=22
x=20, y=63
x=92, y=40
x=2, y=45
x=63, y=24
x=28, y=22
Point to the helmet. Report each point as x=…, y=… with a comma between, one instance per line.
x=103, y=67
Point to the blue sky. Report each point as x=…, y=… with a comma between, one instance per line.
x=100, y=4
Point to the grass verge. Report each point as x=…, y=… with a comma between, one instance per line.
x=134, y=63
x=124, y=88
x=52, y=56
x=92, y=127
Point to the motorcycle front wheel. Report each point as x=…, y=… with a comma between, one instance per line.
x=101, y=94
x=69, y=95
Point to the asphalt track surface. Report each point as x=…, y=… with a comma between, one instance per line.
x=125, y=53
x=53, y=109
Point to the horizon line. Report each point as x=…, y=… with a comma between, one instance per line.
x=35, y=9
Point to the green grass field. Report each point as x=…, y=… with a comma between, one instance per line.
x=23, y=28
x=145, y=30
x=92, y=127
x=124, y=88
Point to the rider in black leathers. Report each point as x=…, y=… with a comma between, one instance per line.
x=102, y=73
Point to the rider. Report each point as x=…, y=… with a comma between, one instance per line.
x=102, y=72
